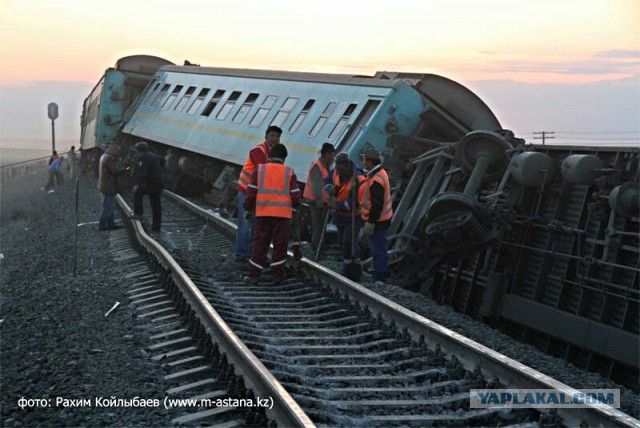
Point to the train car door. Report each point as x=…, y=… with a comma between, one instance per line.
x=359, y=125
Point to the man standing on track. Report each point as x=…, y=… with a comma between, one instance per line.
x=347, y=186
x=273, y=194
x=257, y=156
x=377, y=211
x=148, y=182
x=108, y=185
x=315, y=193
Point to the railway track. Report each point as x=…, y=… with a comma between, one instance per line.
x=326, y=350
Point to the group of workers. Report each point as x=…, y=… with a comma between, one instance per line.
x=147, y=179
x=268, y=197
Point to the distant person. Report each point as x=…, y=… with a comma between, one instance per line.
x=377, y=210
x=257, y=156
x=108, y=185
x=53, y=157
x=148, y=179
x=73, y=162
x=314, y=191
x=273, y=194
x=55, y=176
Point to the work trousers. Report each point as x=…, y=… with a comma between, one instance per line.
x=50, y=181
x=345, y=235
x=269, y=230
x=244, y=233
x=317, y=221
x=156, y=207
x=59, y=178
x=378, y=247
x=106, y=215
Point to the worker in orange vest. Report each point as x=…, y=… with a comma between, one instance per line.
x=377, y=211
x=315, y=193
x=258, y=155
x=347, y=187
x=273, y=195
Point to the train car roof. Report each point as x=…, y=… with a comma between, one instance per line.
x=339, y=79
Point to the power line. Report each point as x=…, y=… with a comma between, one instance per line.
x=565, y=137
x=600, y=132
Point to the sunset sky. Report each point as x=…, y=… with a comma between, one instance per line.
x=543, y=58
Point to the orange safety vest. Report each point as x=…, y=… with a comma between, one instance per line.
x=382, y=178
x=308, y=188
x=343, y=192
x=274, y=193
x=246, y=175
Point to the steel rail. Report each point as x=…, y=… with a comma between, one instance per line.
x=511, y=373
x=285, y=411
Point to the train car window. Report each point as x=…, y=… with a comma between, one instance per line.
x=264, y=109
x=284, y=111
x=213, y=103
x=245, y=108
x=322, y=119
x=147, y=101
x=359, y=125
x=305, y=111
x=160, y=96
x=171, y=98
x=198, y=101
x=226, y=108
x=342, y=123
x=185, y=99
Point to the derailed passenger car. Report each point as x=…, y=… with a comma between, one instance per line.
x=540, y=241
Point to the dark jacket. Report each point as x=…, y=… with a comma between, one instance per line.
x=109, y=172
x=149, y=173
x=377, y=201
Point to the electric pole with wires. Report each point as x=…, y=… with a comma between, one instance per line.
x=545, y=135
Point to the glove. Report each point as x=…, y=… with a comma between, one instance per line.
x=248, y=215
x=331, y=203
x=319, y=203
x=368, y=229
x=333, y=190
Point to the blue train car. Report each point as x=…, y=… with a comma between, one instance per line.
x=205, y=120
x=542, y=241
x=117, y=89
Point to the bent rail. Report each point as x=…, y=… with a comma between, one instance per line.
x=286, y=412
x=471, y=354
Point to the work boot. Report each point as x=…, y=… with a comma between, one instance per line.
x=252, y=280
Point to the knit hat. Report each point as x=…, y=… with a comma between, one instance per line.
x=142, y=146
x=342, y=158
x=279, y=151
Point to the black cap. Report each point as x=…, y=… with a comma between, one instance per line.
x=142, y=146
x=279, y=151
x=372, y=154
x=327, y=148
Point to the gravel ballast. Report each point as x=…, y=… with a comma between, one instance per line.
x=56, y=343
x=526, y=354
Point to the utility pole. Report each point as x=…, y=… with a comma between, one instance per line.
x=545, y=135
